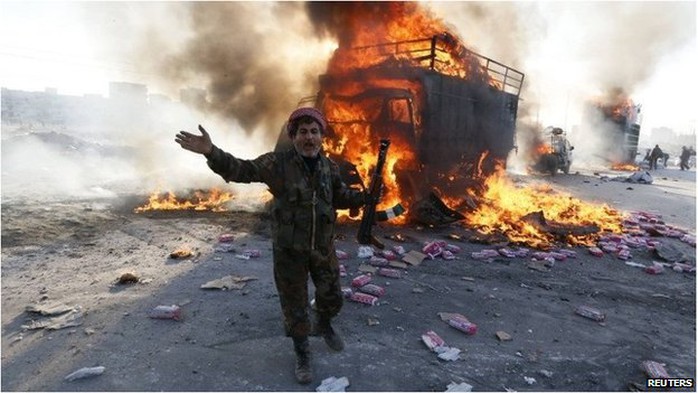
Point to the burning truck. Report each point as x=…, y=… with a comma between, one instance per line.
x=617, y=120
x=450, y=116
x=449, y=112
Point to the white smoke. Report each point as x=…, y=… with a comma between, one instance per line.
x=257, y=60
x=572, y=52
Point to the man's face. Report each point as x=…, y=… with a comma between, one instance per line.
x=308, y=139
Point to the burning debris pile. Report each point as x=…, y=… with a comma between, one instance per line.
x=212, y=200
x=537, y=216
x=615, y=119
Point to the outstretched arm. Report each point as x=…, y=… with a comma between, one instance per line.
x=197, y=143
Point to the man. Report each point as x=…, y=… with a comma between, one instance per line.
x=307, y=189
x=654, y=156
x=685, y=156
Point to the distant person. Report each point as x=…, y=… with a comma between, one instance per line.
x=684, y=157
x=654, y=156
x=665, y=158
x=647, y=156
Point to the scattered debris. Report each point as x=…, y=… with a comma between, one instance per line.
x=432, y=249
x=546, y=373
x=459, y=387
x=360, y=281
x=373, y=289
x=387, y=272
x=226, y=238
x=591, y=313
x=459, y=322
x=540, y=266
x=503, y=336
x=432, y=340
x=252, y=253
x=438, y=345
x=640, y=177
x=224, y=247
x=333, y=384
x=49, y=308
x=389, y=255
x=656, y=268
x=364, y=298
x=399, y=250
x=74, y=317
x=447, y=255
x=654, y=369
x=485, y=254
x=372, y=322
x=378, y=261
x=228, y=282
x=448, y=353
x=181, y=253
x=341, y=255
x=530, y=380
x=398, y=264
x=166, y=312
x=364, y=268
x=365, y=252
x=669, y=253
x=85, y=372
x=398, y=237
x=346, y=292
x=128, y=278
x=595, y=251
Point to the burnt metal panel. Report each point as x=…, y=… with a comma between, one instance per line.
x=463, y=119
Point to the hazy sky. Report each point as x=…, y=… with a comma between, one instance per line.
x=563, y=48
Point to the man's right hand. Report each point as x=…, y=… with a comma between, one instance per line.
x=197, y=143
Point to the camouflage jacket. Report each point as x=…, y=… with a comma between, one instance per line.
x=304, y=203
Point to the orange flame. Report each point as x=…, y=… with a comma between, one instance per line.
x=502, y=206
x=404, y=39
x=625, y=167
x=406, y=35
x=212, y=200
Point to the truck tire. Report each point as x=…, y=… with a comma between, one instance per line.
x=566, y=168
x=550, y=164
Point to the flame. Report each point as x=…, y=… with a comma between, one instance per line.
x=502, y=206
x=625, y=167
x=618, y=106
x=212, y=200
x=544, y=148
x=384, y=47
x=406, y=37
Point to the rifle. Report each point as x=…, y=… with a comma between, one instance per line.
x=374, y=193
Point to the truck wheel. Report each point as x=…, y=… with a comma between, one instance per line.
x=566, y=168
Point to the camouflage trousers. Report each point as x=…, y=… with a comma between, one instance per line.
x=291, y=271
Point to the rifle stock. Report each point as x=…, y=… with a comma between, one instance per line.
x=368, y=218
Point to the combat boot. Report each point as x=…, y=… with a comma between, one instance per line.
x=304, y=374
x=324, y=328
